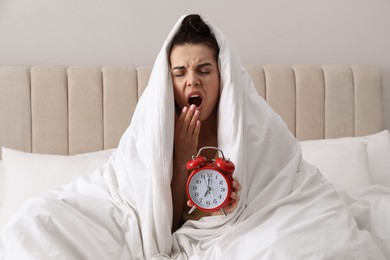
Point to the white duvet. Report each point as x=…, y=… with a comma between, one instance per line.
x=287, y=209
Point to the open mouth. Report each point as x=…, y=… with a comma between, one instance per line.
x=195, y=100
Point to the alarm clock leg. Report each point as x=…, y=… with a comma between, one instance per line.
x=223, y=212
x=192, y=210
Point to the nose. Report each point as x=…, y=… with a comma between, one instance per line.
x=193, y=79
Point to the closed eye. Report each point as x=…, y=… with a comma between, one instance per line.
x=204, y=68
x=178, y=71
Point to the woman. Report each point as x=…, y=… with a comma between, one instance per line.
x=193, y=55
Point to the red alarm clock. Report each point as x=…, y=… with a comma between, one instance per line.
x=210, y=183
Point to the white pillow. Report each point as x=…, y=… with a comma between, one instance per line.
x=344, y=164
x=1, y=181
x=378, y=148
x=378, y=151
x=27, y=174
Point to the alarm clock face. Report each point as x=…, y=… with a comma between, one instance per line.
x=208, y=189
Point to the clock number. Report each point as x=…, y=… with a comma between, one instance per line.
x=208, y=203
x=198, y=181
x=196, y=194
x=223, y=189
x=209, y=174
x=203, y=176
x=194, y=187
x=215, y=201
x=220, y=182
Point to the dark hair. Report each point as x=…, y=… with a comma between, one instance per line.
x=194, y=30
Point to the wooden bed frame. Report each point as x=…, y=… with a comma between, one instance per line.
x=70, y=110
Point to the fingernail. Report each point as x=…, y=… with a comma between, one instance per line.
x=192, y=107
x=184, y=109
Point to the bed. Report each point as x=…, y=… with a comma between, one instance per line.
x=57, y=122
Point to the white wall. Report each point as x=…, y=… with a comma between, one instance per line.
x=128, y=32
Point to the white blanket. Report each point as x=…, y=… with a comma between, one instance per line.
x=287, y=209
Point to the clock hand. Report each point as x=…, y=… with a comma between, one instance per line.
x=207, y=191
x=209, y=184
x=206, y=187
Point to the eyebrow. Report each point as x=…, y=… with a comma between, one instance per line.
x=198, y=66
x=204, y=65
x=178, y=68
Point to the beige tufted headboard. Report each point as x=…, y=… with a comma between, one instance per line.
x=58, y=110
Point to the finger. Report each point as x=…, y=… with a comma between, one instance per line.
x=193, y=124
x=193, y=119
x=180, y=119
x=236, y=185
x=234, y=196
x=190, y=204
x=187, y=128
x=232, y=206
x=188, y=117
x=197, y=130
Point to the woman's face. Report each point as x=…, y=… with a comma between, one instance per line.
x=195, y=77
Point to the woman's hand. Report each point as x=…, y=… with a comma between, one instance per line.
x=187, y=128
x=236, y=187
